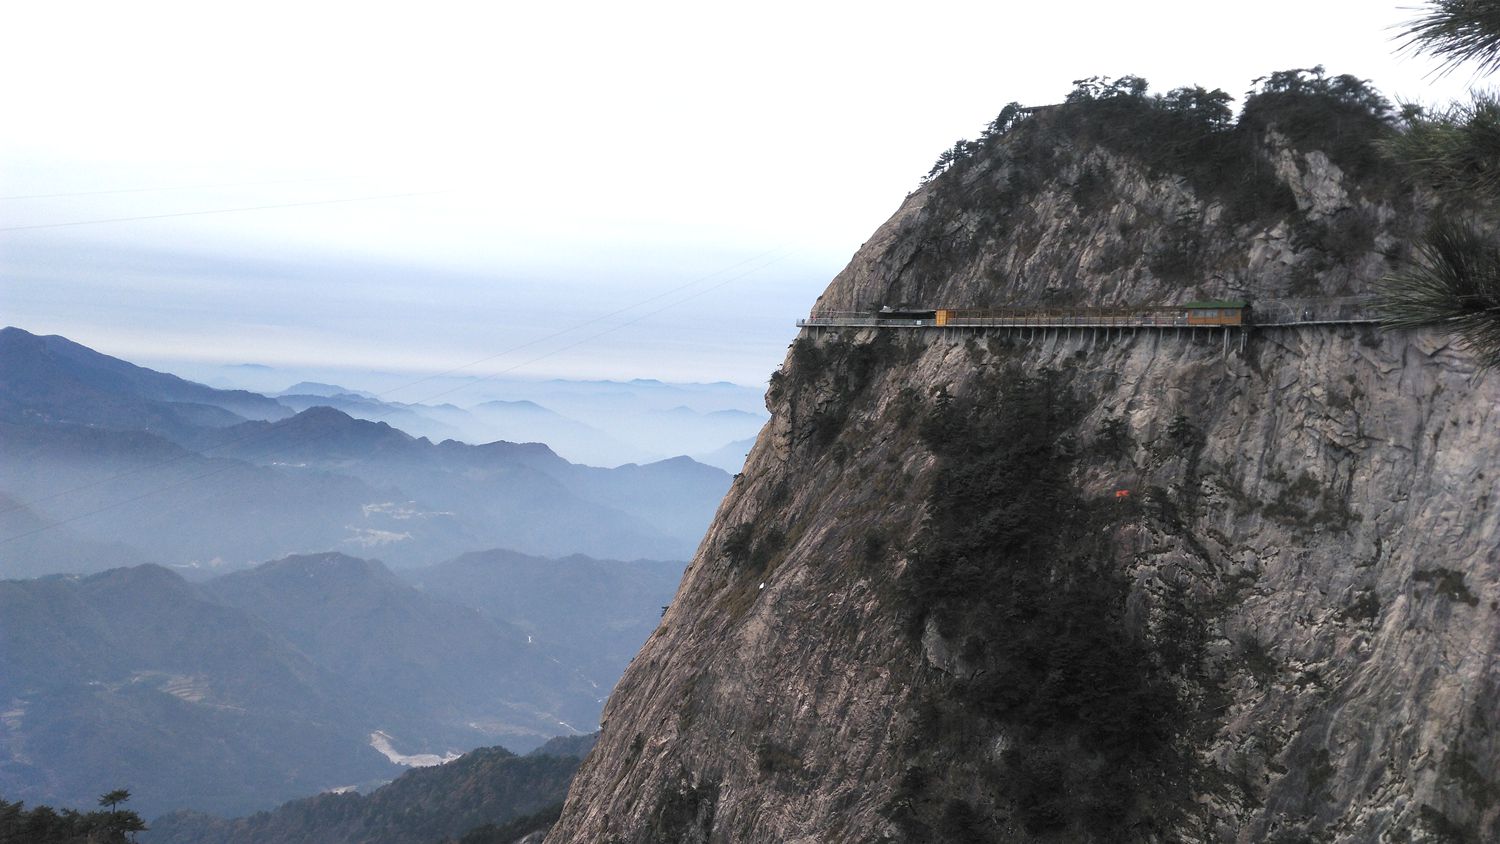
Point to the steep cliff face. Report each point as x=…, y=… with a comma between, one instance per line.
x=926, y=611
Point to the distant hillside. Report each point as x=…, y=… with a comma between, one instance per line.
x=175, y=506
x=730, y=458
x=415, y=420
x=428, y=668
x=318, y=388
x=503, y=494
x=527, y=421
x=36, y=545
x=596, y=613
x=423, y=806
x=136, y=677
x=54, y=380
x=266, y=685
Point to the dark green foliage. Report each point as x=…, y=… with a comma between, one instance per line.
x=737, y=544
x=511, y=831
x=1178, y=255
x=1188, y=132
x=1458, y=32
x=1448, y=583
x=960, y=822
x=685, y=812
x=1444, y=829
x=829, y=377
x=1182, y=433
x=1364, y=607
x=1307, y=503
x=1015, y=566
x=1113, y=438
x=874, y=545
x=746, y=550
x=1454, y=151
x=773, y=758
x=907, y=405
x=1345, y=236
x=45, y=825
x=1320, y=772
x=1453, y=284
x=1341, y=115
x=807, y=358
x=772, y=540
x=1091, y=189
x=486, y=786
x=1462, y=769
x=1105, y=89
x=1257, y=660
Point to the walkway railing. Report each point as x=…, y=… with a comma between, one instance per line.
x=1267, y=313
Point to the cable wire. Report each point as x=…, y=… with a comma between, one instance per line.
x=216, y=211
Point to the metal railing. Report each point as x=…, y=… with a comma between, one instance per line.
x=1263, y=313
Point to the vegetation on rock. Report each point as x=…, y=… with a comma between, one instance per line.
x=1016, y=573
x=489, y=786
x=46, y=825
x=1453, y=281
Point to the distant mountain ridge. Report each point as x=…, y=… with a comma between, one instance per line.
x=266, y=685
x=487, y=786
x=53, y=379
x=517, y=494
x=612, y=603
x=97, y=451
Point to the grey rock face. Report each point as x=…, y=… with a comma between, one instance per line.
x=1330, y=529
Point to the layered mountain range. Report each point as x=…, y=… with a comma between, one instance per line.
x=303, y=674
x=106, y=463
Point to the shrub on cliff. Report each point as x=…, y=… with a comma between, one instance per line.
x=1014, y=568
x=1189, y=131
x=1455, y=151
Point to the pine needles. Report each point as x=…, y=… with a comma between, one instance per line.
x=1452, y=284
x=1459, y=32
x=1455, y=152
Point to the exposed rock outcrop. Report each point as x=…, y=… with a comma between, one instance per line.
x=1297, y=593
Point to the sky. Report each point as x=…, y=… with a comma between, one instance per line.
x=583, y=190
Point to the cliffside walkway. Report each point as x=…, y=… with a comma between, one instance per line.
x=1268, y=313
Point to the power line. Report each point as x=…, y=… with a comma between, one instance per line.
x=175, y=188
x=611, y=329
x=217, y=211
x=572, y=328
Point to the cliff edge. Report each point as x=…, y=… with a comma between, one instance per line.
x=989, y=585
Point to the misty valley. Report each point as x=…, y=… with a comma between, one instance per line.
x=426, y=427
x=223, y=600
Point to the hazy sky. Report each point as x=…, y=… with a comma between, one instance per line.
x=671, y=184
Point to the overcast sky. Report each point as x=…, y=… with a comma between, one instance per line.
x=668, y=184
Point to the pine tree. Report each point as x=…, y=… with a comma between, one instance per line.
x=1453, y=281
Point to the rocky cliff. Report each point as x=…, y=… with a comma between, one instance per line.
x=994, y=586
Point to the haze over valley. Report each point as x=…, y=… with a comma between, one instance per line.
x=669, y=423
x=107, y=463
x=239, y=599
